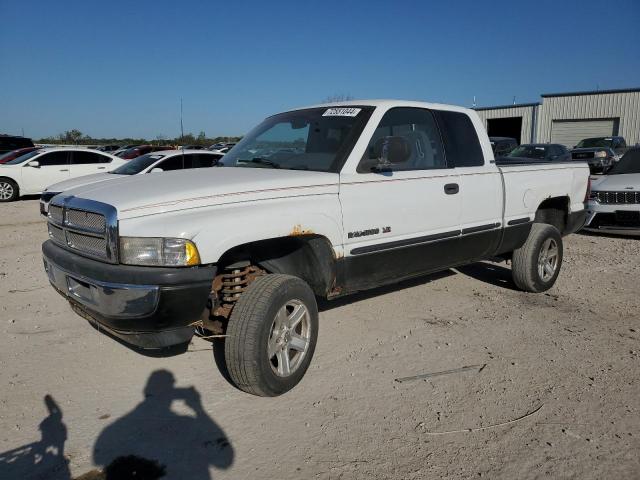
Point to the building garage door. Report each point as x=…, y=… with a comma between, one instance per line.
x=570, y=132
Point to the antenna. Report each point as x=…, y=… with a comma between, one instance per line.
x=181, y=133
x=474, y=101
x=514, y=99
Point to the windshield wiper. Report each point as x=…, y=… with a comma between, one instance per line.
x=261, y=161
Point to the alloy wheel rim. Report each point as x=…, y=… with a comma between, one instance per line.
x=548, y=259
x=6, y=190
x=289, y=339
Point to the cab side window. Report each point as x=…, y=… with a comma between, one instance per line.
x=417, y=130
x=53, y=158
x=461, y=140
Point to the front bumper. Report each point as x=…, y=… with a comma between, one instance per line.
x=613, y=218
x=148, y=307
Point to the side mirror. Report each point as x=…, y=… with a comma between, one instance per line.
x=391, y=150
x=156, y=170
x=34, y=164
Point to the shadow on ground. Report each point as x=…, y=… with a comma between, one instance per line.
x=43, y=459
x=150, y=442
x=489, y=273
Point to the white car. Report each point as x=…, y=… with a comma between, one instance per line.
x=614, y=203
x=31, y=173
x=162, y=161
x=322, y=202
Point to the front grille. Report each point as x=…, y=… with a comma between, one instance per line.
x=87, y=220
x=56, y=213
x=618, y=198
x=56, y=234
x=84, y=226
x=95, y=246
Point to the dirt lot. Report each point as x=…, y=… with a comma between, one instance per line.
x=570, y=356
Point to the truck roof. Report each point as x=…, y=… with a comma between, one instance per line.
x=388, y=103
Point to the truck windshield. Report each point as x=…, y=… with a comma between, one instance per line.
x=629, y=163
x=595, y=142
x=135, y=166
x=317, y=139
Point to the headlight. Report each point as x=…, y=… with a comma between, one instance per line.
x=158, y=252
x=601, y=154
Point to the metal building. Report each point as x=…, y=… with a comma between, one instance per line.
x=567, y=118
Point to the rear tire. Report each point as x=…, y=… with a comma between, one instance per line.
x=271, y=335
x=536, y=265
x=8, y=190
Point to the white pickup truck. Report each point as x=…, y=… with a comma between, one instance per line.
x=314, y=202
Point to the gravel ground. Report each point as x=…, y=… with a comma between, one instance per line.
x=567, y=361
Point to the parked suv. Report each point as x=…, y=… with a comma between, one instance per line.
x=617, y=144
x=614, y=203
x=600, y=159
x=9, y=143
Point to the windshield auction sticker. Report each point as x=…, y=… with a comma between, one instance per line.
x=341, y=112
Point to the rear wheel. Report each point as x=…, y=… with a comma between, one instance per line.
x=536, y=265
x=8, y=190
x=271, y=335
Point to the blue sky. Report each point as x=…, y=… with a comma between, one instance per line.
x=119, y=68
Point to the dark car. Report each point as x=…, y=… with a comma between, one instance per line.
x=9, y=143
x=193, y=147
x=615, y=143
x=7, y=157
x=600, y=159
x=543, y=152
x=142, y=150
x=502, y=146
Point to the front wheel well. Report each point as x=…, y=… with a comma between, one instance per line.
x=308, y=257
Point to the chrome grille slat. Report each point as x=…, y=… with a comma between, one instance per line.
x=85, y=220
x=84, y=226
x=95, y=246
x=56, y=213
x=618, y=198
x=57, y=234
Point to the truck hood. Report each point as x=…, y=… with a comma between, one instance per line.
x=140, y=195
x=627, y=182
x=82, y=181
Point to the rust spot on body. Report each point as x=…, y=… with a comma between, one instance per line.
x=298, y=230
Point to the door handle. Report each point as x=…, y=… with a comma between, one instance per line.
x=64, y=170
x=101, y=168
x=451, y=188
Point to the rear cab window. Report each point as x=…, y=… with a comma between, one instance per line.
x=460, y=139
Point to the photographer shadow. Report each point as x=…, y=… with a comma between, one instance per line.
x=43, y=459
x=152, y=441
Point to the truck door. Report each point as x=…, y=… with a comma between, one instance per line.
x=481, y=190
x=403, y=219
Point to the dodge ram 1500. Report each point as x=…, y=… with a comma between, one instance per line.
x=317, y=202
